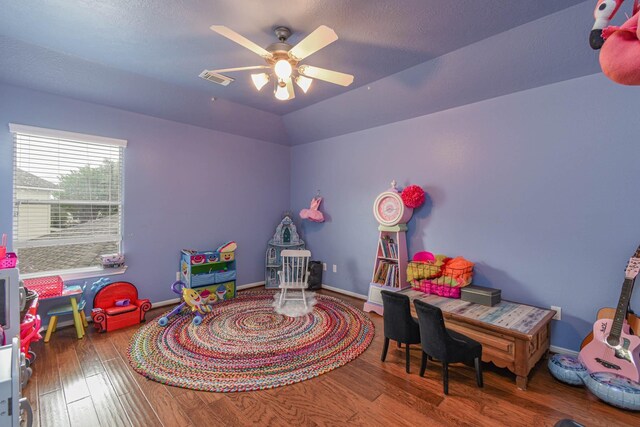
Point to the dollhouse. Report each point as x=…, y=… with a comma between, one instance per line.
x=285, y=237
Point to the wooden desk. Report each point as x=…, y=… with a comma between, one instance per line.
x=513, y=336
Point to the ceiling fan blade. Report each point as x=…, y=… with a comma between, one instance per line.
x=330, y=76
x=292, y=93
x=319, y=38
x=253, y=67
x=242, y=41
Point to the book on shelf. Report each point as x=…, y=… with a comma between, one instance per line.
x=388, y=248
x=383, y=249
x=386, y=274
x=380, y=272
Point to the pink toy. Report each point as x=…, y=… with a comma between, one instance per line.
x=29, y=333
x=620, y=46
x=424, y=256
x=3, y=247
x=429, y=287
x=313, y=214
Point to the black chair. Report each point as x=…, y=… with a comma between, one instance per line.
x=444, y=344
x=399, y=325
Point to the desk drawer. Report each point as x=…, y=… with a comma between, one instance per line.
x=493, y=344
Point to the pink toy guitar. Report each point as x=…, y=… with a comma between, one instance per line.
x=614, y=349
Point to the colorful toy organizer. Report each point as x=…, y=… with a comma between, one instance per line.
x=214, y=270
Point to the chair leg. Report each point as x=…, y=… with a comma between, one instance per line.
x=385, y=347
x=52, y=327
x=282, y=296
x=478, y=372
x=78, y=324
x=76, y=319
x=304, y=299
x=84, y=319
x=423, y=364
x=445, y=377
x=408, y=357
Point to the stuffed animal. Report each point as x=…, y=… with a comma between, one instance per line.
x=619, y=46
x=198, y=301
x=620, y=53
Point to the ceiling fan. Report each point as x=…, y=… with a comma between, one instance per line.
x=282, y=62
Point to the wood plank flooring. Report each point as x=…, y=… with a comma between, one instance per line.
x=89, y=382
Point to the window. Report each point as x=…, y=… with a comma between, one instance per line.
x=67, y=199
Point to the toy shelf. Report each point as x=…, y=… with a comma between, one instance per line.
x=211, y=270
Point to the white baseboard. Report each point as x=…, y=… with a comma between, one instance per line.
x=342, y=291
x=250, y=285
x=171, y=301
x=562, y=350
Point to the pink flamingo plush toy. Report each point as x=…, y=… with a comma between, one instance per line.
x=620, y=46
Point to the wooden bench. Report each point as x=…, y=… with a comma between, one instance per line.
x=513, y=336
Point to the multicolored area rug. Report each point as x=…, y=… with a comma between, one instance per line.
x=245, y=345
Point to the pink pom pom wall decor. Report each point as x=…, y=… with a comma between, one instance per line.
x=413, y=196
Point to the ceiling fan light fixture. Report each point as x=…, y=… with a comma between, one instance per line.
x=259, y=80
x=283, y=62
x=281, y=92
x=304, y=83
x=283, y=69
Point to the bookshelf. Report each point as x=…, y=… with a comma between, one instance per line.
x=390, y=266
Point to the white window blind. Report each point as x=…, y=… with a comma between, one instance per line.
x=67, y=199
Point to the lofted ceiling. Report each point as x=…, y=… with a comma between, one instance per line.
x=122, y=53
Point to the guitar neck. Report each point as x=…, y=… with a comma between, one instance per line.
x=621, y=310
x=625, y=295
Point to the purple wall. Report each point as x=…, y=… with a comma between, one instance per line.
x=539, y=188
x=185, y=186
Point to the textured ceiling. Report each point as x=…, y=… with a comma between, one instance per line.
x=168, y=43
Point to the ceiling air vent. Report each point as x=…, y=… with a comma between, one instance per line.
x=216, y=78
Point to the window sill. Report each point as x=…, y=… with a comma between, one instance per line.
x=79, y=274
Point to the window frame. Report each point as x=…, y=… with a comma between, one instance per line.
x=80, y=272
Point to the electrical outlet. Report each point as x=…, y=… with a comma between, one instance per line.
x=324, y=266
x=335, y=268
x=558, y=315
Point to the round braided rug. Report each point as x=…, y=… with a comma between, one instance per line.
x=243, y=344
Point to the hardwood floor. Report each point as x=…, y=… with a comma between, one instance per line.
x=89, y=382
